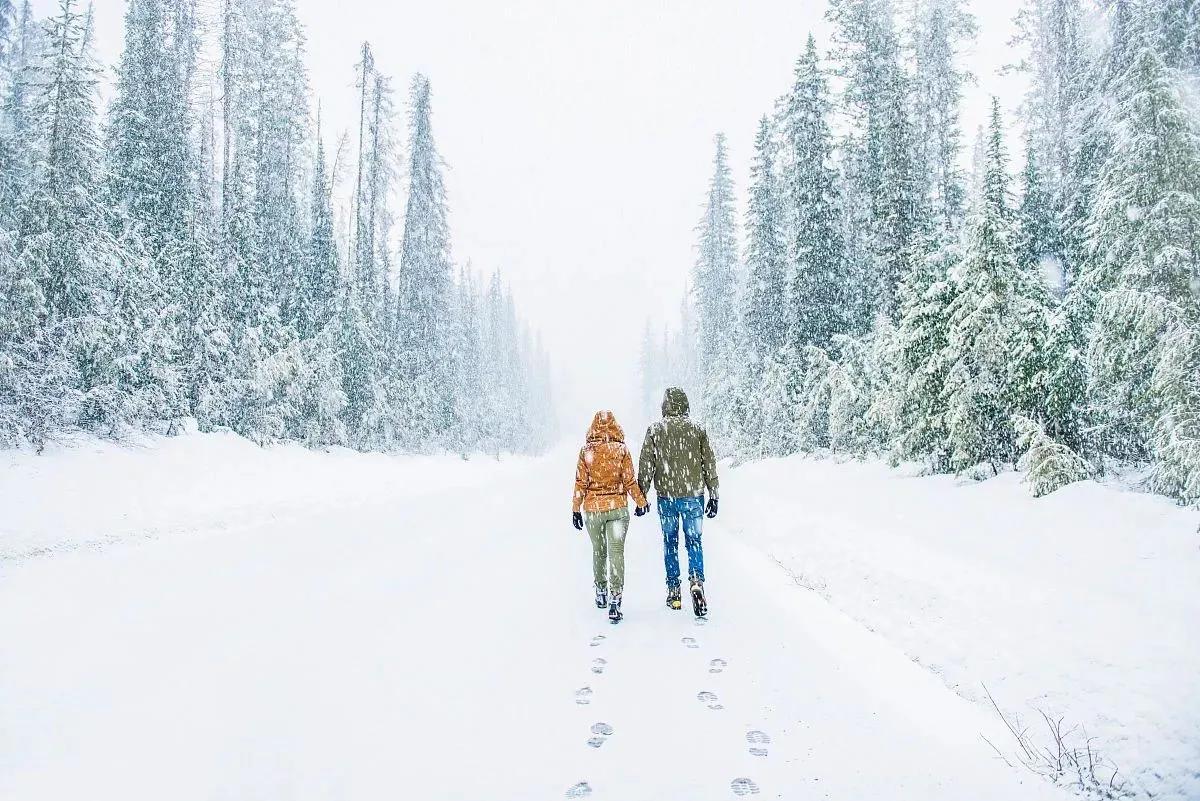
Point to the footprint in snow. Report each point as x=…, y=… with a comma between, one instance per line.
x=690, y=642
x=717, y=665
x=599, y=638
x=581, y=790
x=708, y=699
x=600, y=732
x=757, y=740
x=583, y=695
x=743, y=787
x=598, y=664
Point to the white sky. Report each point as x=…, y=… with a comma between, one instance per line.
x=579, y=138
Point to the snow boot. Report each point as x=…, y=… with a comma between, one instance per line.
x=601, y=597
x=699, y=603
x=674, y=600
x=614, y=609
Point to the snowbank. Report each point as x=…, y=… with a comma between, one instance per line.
x=92, y=492
x=1083, y=604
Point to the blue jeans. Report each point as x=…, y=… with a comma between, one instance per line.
x=691, y=512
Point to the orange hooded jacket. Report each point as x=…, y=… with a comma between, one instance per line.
x=604, y=474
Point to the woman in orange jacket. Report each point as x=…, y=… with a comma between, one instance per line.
x=603, y=478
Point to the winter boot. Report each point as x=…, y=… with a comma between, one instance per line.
x=674, y=600
x=699, y=603
x=601, y=597
x=614, y=608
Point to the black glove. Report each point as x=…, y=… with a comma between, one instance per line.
x=641, y=510
x=711, y=509
x=577, y=520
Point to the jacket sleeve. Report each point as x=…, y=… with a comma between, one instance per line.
x=647, y=463
x=581, y=482
x=708, y=465
x=629, y=481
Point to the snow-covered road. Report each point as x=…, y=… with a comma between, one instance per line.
x=441, y=644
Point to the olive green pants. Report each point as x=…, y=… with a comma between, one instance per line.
x=607, y=533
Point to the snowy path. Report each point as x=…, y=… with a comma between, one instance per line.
x=435, y=647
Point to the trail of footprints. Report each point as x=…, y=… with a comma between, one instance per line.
x=601, y=731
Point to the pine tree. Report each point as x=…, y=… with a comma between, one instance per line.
x=880, y=150
x=997, y=327
x=320, y=282
x=8, y=18
x=1048, y=465
x=714, y=286
x=1173, y=24
x=766, y=297
x=422, y=340
x=923, y=357
x=1057, y=63
x=1038, y=239
x=16, y=72
x=1176, y=436
x=1144, y=249
x=941, y=28
x=467, y=352
x=818, y=281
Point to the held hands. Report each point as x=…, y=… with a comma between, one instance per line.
x=577, y=520
x=641, y=510
x=711, y=509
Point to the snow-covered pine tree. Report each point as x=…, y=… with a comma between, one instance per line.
x=1175, y=440
x=38, y=379
x=375, y=218
x=1057, y=63
x=1048, y=465
x=503, y=383
x=922, y=357
x=819, y=306
x=1039, y=245
x=204, y=336
x=1144, y=252
x=153, y=171
x=8, y=19
x=715, y=287
x=1173, y=24
x=467, y=352
x=997, y=326
x=317, y=297
x=361, y=257
x=766, y=296
x=940, y=29
x=364, y=373
x=881, y=155
x=15, y=146
x=422, y=310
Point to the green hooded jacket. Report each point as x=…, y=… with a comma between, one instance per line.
x=676, y=456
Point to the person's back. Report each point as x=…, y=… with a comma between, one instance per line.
x=603, y=478
x=676, y=457
x=677, y=460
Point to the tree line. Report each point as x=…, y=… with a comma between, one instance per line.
x=1043, y=311
x=179, y=256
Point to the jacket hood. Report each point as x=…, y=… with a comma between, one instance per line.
x=675, y=403
x=604, y=428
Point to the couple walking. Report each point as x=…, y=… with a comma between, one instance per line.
x=677, y=460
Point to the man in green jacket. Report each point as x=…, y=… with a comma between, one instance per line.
x=678, y=461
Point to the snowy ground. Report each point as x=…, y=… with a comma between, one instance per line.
x=281, y=624
x=1084, y=604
